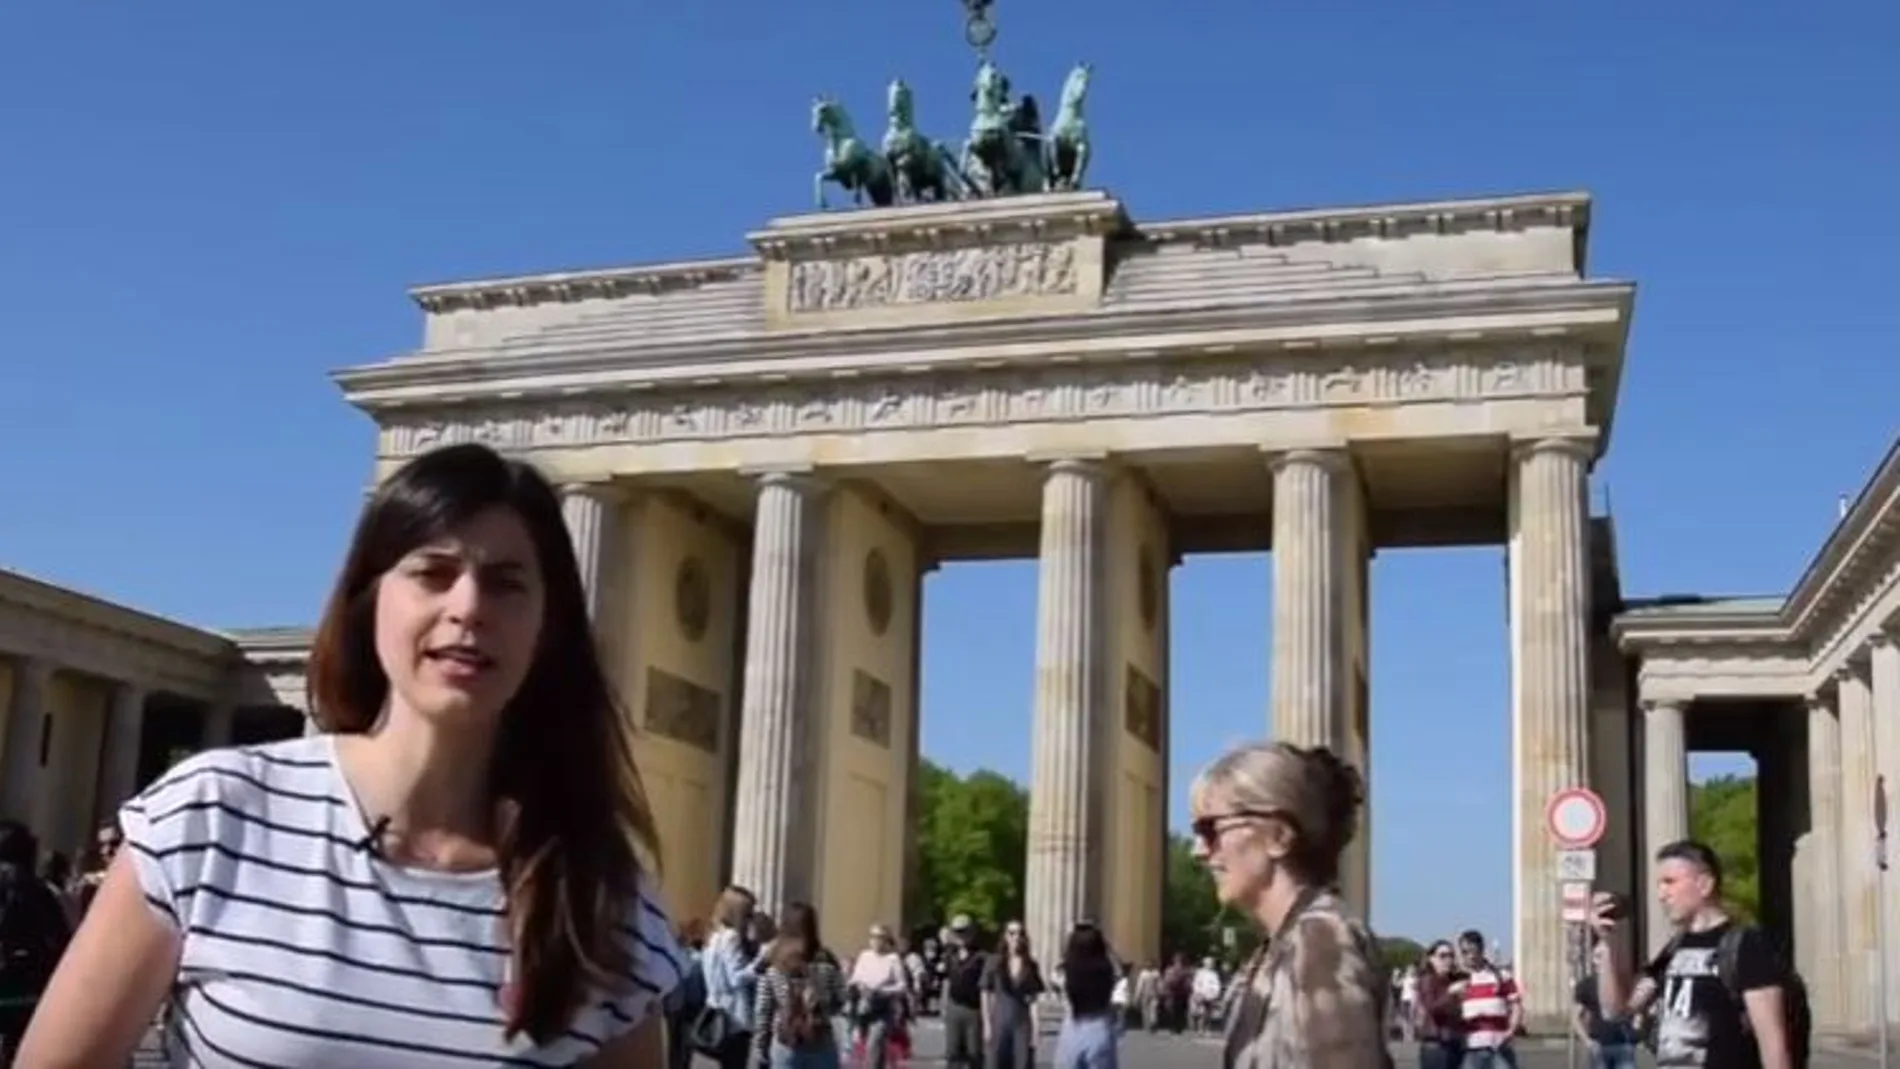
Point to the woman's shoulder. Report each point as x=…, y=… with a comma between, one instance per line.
x=1329, y=947
x=236, y=783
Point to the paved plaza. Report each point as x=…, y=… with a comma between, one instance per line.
x=1145, y=1051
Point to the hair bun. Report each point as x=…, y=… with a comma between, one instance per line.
x=1341, y=792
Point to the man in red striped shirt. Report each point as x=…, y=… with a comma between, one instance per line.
x=1490, y=1005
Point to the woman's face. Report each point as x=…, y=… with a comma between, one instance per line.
x=1237, y=847
x=458, y=620
x=1013, y=937
x=1442, y=959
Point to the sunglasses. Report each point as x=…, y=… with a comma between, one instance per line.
x=1208, y=828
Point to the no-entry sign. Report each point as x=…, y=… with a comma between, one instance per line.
x=1576, y=818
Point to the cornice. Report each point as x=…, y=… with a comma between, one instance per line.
x=566, y=287
x=1041, y=218
x=1550, y=312
x=1046, y=217
x=109, y=617
x=1384, y=221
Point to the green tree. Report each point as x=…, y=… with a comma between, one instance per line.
x=973, y=841
x=1722, y=814
x=1397, y=951
x=1193, y=922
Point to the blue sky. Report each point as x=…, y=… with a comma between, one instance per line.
x=208, y=205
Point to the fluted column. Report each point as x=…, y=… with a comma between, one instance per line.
x=589, y=509
x=1067, y=770
x=1309, y=683
x=20, y=754
x=773, y=819
x=119, y=769
x=1665, y=796
x=1822, y=852
x=1883, y=672
x=1859, y=888
x=1550, y=681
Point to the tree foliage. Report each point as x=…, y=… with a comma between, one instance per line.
x=1722, y=814
x=973, y=843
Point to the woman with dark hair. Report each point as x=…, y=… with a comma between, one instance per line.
x=456, y=873
x=800, y=993
x=1437, y=1013
x=33, y=932
x=1089, y=1038
x=1271, y=822
x=1012, y=982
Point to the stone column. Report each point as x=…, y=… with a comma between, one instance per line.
x=1066, y=788
x=220, y=718
x=1309, y=684
x=1550, y=680
x=773, y=819
x=119, y=770
x=1665, y=798
x=1823, y=865
x=1859, y=888
x=20, y=750
x=590, y=511
x=1883, y=672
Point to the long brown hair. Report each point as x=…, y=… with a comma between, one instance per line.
x=570, y=857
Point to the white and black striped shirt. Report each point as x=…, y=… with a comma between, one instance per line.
x=303, y=949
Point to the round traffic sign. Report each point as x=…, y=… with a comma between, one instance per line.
x=1576, y=818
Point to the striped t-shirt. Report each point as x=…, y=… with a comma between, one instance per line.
x=301, y=948
x=1486, y=1005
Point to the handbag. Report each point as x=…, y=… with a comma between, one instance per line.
x=710, y=1031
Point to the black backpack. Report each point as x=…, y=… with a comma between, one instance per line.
x=1794, y=995
x=1799, y=1016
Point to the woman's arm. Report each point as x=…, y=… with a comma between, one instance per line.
x=110, y=983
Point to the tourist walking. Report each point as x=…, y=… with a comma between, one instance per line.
x=1722, y=997
x=880, y=996
x=1610, y=1041
x=1438, y=1020
x=799, y=994
x=1090, y=1035
x=1012, y=984
x=1271, y=822
x=731, y=963
x=964, y=965
x=34, y=929
x=1489, y=1005
x=450, y=873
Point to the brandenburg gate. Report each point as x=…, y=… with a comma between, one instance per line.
x=762, y=456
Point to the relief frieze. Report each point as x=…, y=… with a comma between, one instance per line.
x=936, y=276
x=987, y=397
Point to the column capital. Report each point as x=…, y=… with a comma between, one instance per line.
x=1848, y=672
x=1653, y=706
x=1580, y=443
x=1094, y=462
x=605, y=490
x=1880, y=640
x=1817, y=702
x=1333, y=457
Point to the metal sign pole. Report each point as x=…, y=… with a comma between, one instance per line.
x=1570, y=1029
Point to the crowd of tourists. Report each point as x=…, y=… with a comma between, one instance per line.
x=455, y=871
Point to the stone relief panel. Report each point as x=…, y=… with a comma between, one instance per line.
x=692, y=599
x=992, y=397
x=1141, y=709
x=682, y=710
x=877, y=592
x=941, y=276
x=870, y=708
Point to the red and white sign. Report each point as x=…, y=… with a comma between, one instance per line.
x=1576, y=818
x=1576, y=902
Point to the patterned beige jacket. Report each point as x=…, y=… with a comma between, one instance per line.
x=1314, y=997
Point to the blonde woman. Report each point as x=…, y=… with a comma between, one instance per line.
x=1270, y=823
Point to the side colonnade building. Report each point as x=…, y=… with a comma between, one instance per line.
x=761, y=457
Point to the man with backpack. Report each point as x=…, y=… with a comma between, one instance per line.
x=1719, y=993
